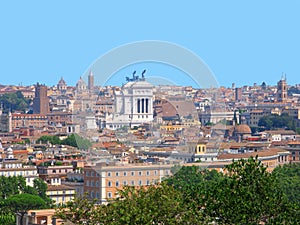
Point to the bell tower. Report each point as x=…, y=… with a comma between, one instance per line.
x=282, y=89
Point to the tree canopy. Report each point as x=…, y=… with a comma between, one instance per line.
x=246, y=194
x=72, y=140
x=275, y=121
x=14, y=102
x=13, y=186
x=21, y=203
x=288, y=177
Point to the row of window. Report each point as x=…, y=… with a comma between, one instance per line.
x=60, y=171
x=92, y=194
x=125, y=173
x=92, y=183
x=132, y=173
x=132, y=183
x=91, y=174
x=18, y=173
x=61, y=192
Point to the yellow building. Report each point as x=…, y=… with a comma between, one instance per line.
x=201, y=147
x=102, y=182
x=59, y=193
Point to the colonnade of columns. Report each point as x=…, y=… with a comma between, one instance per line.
x=143, y=105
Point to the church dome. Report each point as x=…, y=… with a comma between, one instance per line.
x=242, y=129
x=81, y=85
x=62, y=82
x=62, y=85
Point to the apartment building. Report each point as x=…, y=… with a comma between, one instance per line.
x=102, y=182
x=54, y=170
x=58, y=192
x=29, y=173
x=28, y=120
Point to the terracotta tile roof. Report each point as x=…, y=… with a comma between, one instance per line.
x=59, y=187
x=282, y=132
x=263, y=153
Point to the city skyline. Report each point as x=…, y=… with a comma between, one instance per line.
x=242, y=43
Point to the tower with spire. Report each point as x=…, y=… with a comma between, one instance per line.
x=282, y=89
x=91, y=81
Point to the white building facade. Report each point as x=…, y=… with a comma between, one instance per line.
x=133, y=105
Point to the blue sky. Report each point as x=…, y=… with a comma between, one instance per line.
x=241, y=42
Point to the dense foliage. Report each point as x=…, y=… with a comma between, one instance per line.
x=73, y=140
x=275, y=121
x=246, y=194
x=288, y=177
x=17, y=197
x=14, y=102
x=21, y=203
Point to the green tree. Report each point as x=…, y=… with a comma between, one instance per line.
x=274, y=121
x=21, y=203
x=54, y=140
x=160, y=204
x=265, y=122
x=79, y=211
x=288, y=177
x=77, y=141
x=7, y=218
x=248, y=194
x=41, y=188
x=14, y=102
x=11, y=186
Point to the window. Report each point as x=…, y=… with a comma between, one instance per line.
x=109, y=194
x=117, y=174
x=124, y=182
x=92, y=173
x=140, y=173
x=147, y=182
x=87, y=173
x=140, y=182
x=132, y=182
x=87, y=183
x=97, y=183
x=125, y=173
x=148, y=173
x=132, y=173
x=117, y=183
x=109, y=183
x=109, y=174
x=155, y=172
